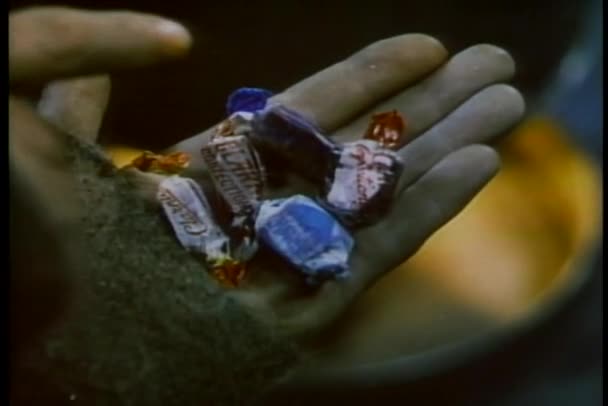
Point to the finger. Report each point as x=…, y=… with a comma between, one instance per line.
x=337, y=94
x=422, y=209
x=480, y=120
x=432, y=99
x=55, y=42
x=76, y=106
x=340, y=92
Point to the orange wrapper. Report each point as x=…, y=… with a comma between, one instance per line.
x=171, y=164
x=388, y=129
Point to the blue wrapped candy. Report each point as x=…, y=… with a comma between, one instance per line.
x=307, y=236
x=247, y=99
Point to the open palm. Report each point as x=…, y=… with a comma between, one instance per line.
x=454, y=109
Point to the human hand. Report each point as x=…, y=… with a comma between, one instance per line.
x=440, y=176
x=454, y=109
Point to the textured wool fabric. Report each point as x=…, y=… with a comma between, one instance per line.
x=148, y=325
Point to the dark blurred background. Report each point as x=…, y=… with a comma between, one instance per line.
x=557, y=45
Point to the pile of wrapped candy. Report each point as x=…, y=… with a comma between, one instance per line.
x=258, y=139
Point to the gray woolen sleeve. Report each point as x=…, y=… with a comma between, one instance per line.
x=147, y=324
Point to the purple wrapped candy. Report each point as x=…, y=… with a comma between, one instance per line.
x=307, y=236
x=361, y=187
x=247, y=99
x=285, y=138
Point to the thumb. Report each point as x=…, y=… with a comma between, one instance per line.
x=47, y=43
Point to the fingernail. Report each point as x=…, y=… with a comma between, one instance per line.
x=175, y=37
